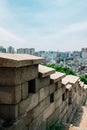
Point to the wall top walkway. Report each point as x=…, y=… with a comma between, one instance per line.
x=18, y=60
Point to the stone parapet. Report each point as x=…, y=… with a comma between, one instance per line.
x=33, y=96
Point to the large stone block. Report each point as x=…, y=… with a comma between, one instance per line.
x=29, y=73
x=42, y=82
x=63, y=106
x=69, y=110
x=18, y=60
x=8, y=112
x=59, y=93
x=60, y=83
x=43, y=93
x=45, y=71
x=52, y=88
x=53, y=118
x=16, y=76
x=10, y=95
x=64, y=119
x=57, y=76
x=36, y=111
x=58, y=102
x=24, y=88
x=19, y=125
x=28, y=103
x=62, y=114
x=37, y=123
x=49, y=111
x=10, y=76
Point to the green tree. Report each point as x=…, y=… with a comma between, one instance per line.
x=62, y=69
x=67, y=71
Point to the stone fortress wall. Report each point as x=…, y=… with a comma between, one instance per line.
x=33, y=97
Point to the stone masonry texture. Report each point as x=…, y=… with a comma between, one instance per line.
x=33, y=96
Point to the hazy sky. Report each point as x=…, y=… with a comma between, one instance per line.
x=44, y=24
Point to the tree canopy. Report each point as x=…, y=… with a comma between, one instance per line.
x=66, y=70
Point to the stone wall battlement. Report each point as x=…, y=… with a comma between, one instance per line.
x=33, y=96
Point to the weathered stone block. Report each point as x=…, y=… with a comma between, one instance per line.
x=69, y=110
x=10, y=95
x=19, y=125
x=24, y=88
x=59, y=93
x=28, y=103
x=45, y=71
x=29, y=73
x=8, y=112
x=42, y=82
x=43, y=93
x=16, y=76
x=64, y=119
x=18, y=60
x=49, y=110
x=57, y=76
x=53, y=118
x=58, y=102
x=61, y=115
x=37, y=123
x=52, y=88
x=60, y=83
x=36, y=111
x=63, y=106
x=9, y=76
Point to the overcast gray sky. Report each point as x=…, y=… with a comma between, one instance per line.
x=44, y=24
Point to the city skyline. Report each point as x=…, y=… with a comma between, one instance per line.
x=43, y=25
x=12, y=48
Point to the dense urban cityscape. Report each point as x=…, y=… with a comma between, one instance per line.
x=76, y=60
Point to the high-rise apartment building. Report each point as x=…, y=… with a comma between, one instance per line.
x=84, y=53
x=10, y=49
x=2, y=49
x=26, y=51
